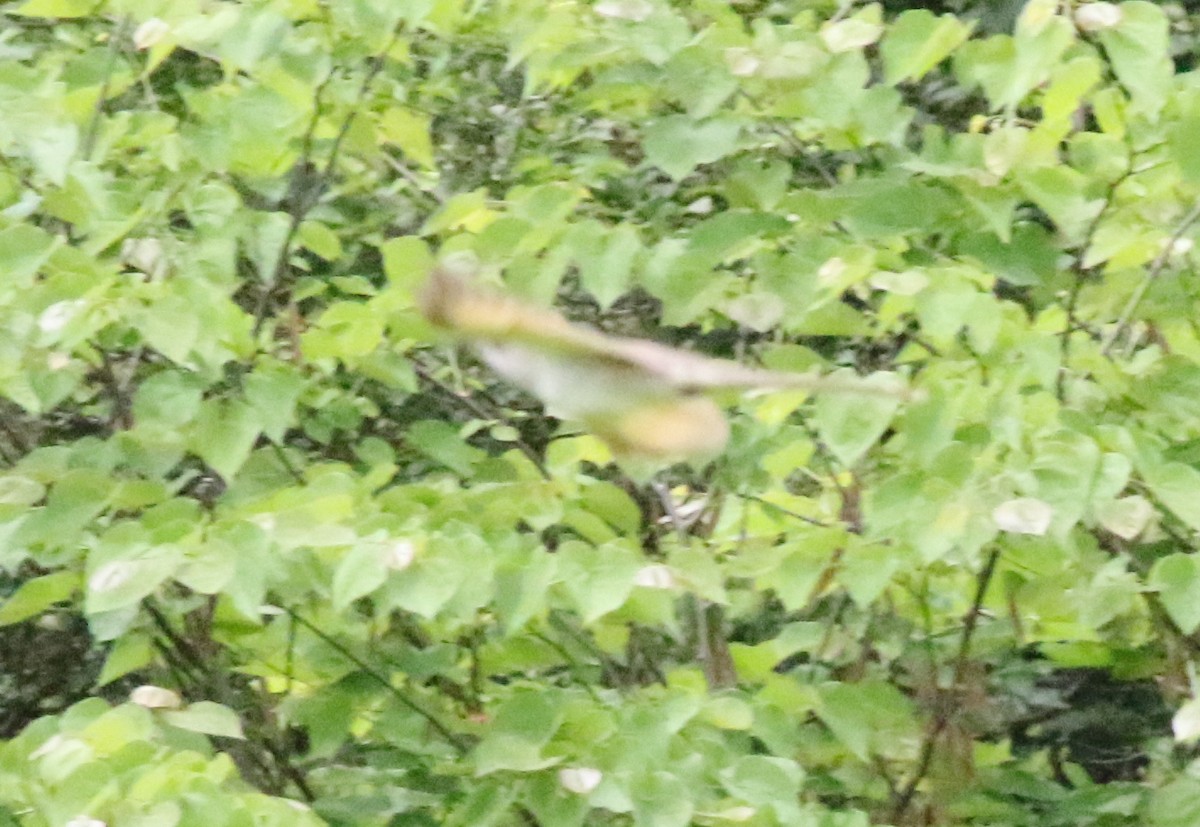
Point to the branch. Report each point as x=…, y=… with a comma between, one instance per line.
x=1077, y=287
x=972, y=619
x=1156, y=267
x=298, y=209
x=941, y=719
x=305, y=201
x=190, y=659
x=450, y=737
x=571, y=660
x=474, y=407
x=287, y=464
x=93, y=126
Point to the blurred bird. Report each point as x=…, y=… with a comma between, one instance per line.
x=646, y=400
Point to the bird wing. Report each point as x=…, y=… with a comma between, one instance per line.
x=453, y=302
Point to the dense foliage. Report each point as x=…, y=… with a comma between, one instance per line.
x=275, y=552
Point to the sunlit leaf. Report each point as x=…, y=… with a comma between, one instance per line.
x=206, y=717
x=1024, y=515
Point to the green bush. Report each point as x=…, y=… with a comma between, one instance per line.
x=238, y=463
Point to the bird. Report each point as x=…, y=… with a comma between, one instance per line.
x=644, y=399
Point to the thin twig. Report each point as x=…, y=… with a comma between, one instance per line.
x=289, y=661
x=795, y=515
x=843, y=9
x=282, y=456
x=475, y=408
x=93, y=126
x=672, y=514
x=1077, y=287
x=297, y=210
x=450, y=737
x=606, y=662
x=566, y=655
x=712, y=659
x=972, y=619
x=377, y=63
x=942, y=714
x=304, y=204
x=282, y=758
x=789, y=138
x=1156, y=267
x=190, y=658
x=411, y=177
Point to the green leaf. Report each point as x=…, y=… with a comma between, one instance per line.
x=867, y=570
x=552, y=801
x=728, y=712
x=485, y=806
x=169, y=398
x=18, y=490
x=170, y=325
x=224, y=434
x=129, y=652
x=1184, y=143
x=410, y=132
x=1138, y=48
x=36, y=595
x=917, y=41
x=207, y=718
x=406, y=262
x=257, y=33
x=523, y=724
x=317, y=237
x=698, y=79
x=801, y=567
x=733, y=235
x=1064, y=194
x=360, y=572
x=52, y=149
x=1175, y=485
x=1126, y=517
x=1071, y=81
x=598, y=580
x=678, y=144
x=760, y=184
x=1026, y=259
x=113, y=729
x=347, y=330
x=467, y=211
x=866, y=715
x=1175, y=804
x=605, y=260
x=441, y=442
x=122, y=582
x=849, y=424
x=74, y=501
x=23, y=250
x=530, y=715
x=661, y=799
x=612, y=504
x=1009, y=68
x=766, y=781
x=1177, y=579
x=273, y=390
x=456, y=566
x=522, y=579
